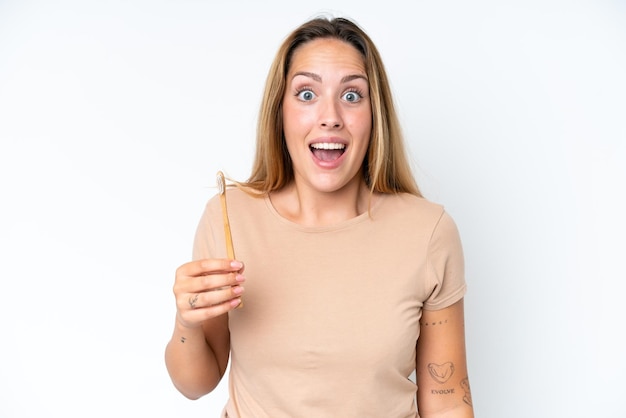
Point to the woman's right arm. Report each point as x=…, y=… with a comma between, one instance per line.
x=197, y=354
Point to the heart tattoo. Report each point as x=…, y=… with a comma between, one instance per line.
x=441, y=372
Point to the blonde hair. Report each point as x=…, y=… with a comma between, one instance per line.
x=385, y=167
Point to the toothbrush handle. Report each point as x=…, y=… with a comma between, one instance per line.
x=230, y=250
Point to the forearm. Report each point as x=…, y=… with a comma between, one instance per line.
x=458, y=412
x=443, y=388
x=191, y=363
x=442, y=393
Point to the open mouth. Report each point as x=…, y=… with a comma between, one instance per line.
x=327, y=151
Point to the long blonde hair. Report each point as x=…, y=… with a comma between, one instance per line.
x=385, y=167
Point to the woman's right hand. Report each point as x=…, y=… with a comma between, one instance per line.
x=205, y=289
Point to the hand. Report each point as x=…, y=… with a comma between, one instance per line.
x=206, y=289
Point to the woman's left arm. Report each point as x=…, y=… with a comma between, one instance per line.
x=443, y=389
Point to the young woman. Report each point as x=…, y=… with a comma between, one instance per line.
x=352, y=279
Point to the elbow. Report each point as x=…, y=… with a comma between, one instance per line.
x=192, y=393
x=191, y=396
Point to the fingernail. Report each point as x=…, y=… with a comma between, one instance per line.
x=238, y=290
x=236, y=264
x=240, y=278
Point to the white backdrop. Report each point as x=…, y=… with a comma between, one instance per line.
x=115, y=116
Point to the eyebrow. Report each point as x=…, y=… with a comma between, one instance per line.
x=318, y=78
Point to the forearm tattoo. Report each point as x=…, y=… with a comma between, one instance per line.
x=433, y=323
x=467, y=397
x=442, y=373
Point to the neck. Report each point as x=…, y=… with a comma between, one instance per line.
x=306, y=206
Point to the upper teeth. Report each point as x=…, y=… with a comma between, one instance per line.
x=328, y=145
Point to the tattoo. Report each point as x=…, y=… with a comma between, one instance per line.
x=467, y=397
x=432, y=324
x=183, y=339
x=442, y=391
x=192, y=302
x=441, y=372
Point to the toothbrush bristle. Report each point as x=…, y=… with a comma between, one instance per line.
x=221, y=184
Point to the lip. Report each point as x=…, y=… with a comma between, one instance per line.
x=328, y=140
x=328, y=165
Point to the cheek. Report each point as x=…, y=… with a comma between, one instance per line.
x=293, y=129
x=297, y=122
x=361, y=128
x=362, y=136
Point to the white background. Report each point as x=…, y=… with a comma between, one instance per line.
x=115, y=116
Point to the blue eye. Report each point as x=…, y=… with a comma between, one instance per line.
x=306, y=95
x=352, y=96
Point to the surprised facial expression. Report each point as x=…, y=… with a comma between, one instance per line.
x=327, y=118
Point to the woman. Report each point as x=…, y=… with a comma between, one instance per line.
x=352, y=279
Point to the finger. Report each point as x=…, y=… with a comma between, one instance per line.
x=209, y=266
x=210, y=298
x=206, y=283
x=194, y=317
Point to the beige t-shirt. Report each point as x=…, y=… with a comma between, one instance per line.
x=331, y=314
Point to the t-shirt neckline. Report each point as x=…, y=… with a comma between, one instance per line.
x=365, y=216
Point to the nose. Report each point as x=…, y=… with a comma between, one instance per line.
x=330, y=116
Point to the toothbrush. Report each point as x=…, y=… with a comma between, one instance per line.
x=230, y=250
x=221, y=185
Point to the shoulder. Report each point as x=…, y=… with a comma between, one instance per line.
x=417, y=212
x=236, y=196
x=237, y=193
x=410, y=206
x=239, y=203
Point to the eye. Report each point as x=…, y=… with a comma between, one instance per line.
x=306, y=95
x=352, y=96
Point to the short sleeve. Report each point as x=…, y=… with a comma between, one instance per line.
x=446, y=265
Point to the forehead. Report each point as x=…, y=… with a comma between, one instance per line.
x=327, y=52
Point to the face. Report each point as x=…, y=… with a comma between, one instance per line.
x=327, y=119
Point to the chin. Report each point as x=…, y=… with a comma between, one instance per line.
x=332, y=185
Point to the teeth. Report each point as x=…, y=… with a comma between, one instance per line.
x=328, y=145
